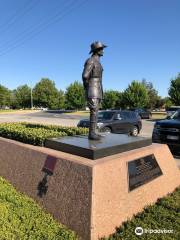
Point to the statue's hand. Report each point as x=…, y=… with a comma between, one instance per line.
x=85, y=83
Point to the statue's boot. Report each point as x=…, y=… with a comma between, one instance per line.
x=92, y=128
x=94, y=136
x=97, y=132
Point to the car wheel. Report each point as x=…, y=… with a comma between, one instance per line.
x=106, y=130
x=134, y=131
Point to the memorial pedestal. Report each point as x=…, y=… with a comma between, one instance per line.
x=108, y=145
x=91, y=197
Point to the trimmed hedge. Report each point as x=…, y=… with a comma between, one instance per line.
x=165, y=214
x=36, y=134
x=22, y=219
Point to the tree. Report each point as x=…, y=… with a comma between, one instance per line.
x=13, y=100
x=75, y=96
x=136, y=95
x=152, y=94
x=4, y=96
x=23, y=96
x=174, y=90
x=61, y=99
x=111, y=99
x=167, y=102
x=159, y=102
x=45, y=94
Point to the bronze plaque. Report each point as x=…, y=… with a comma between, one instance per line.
x=143, y=170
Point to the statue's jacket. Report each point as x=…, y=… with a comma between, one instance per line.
x=92, y=78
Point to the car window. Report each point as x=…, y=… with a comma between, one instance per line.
x=176, y=115
x=117, y=116
x=172, y=108
x=105, y=115
x=134, y=114
x=126, y=115
x=123, y=115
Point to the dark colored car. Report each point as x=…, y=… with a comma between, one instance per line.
x=116, y=121
x=168, y=131
x=143, y=113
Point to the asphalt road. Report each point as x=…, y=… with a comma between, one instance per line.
x=41, y=117
x=59, y=118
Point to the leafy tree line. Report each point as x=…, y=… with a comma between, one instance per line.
x=142, y=95
x=45, y=94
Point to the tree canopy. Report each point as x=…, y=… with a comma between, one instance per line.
x=136, y=95
x=45, y=94
x=167, y=102
x=111, y=99
x=75, y=96
x=174, y=90
x=23, y=96
x=61, y=100
x=4, y=96
x=152, y=94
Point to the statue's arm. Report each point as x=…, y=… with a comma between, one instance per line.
x=87, y=72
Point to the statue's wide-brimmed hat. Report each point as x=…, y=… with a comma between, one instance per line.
x=96, y=45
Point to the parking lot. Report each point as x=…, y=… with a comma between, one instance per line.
x=62, y=119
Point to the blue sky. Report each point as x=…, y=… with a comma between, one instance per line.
x=143, y=38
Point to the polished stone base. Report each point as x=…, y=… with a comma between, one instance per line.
x=108, y=145
x=92, y=198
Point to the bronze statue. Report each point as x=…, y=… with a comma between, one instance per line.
x=92, y=80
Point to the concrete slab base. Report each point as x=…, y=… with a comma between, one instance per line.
x=90, y=197
x=108, y=145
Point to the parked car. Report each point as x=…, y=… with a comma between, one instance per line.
x=168, y=131
x=116, y=121
x=143, y=113
x=171, y=110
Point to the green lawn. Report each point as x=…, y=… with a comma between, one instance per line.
x=155, y=115
x=78, y=113
x=6, y=111
x=17, y=111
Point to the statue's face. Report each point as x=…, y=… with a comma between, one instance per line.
x=100, y=52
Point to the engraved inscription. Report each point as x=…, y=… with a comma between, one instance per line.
x=143, y=170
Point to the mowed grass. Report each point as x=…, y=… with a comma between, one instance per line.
x=78, y=113
x=22, y=219
x=155, y=115
x=2, y=111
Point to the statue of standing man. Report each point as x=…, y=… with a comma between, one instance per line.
x=92, y=80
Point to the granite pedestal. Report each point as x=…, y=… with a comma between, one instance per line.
x=108, y=145
x=91, y=197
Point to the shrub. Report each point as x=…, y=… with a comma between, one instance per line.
x=21, y=218
x=165, y=214
x=36, y=134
